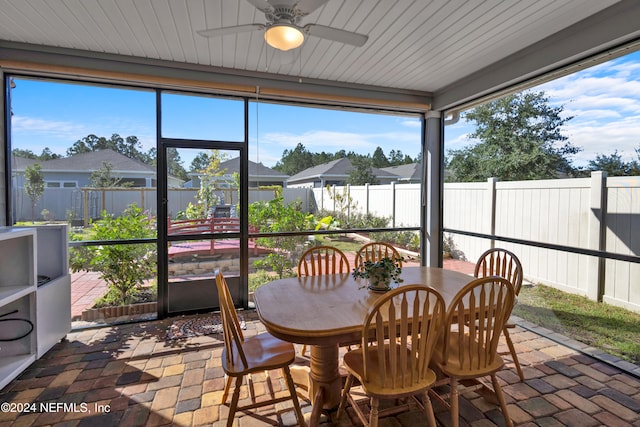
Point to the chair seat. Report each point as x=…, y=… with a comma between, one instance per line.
x=450, y=363
x=353, y=361
x=263, y=352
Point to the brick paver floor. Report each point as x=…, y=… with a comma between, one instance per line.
x=131, y=375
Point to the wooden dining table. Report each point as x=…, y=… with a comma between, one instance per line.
x=327, y=311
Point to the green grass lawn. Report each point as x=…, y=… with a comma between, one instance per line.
x=614, y=330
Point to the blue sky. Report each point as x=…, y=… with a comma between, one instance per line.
x=604, y=100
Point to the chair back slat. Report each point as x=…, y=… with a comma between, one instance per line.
x=401, y=330
x=321, y=260
x=231, y=329
x=477, y=315
x=503, y=263
x=375, y=251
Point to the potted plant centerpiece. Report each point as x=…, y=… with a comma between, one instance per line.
x=380, y=273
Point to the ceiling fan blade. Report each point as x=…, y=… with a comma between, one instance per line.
x=335, y=34
x=308, y=6
x=214, y=32
x=262, y=5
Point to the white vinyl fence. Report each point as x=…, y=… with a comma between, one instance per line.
x=400, y=203
x=82, y=204
x=595, y=213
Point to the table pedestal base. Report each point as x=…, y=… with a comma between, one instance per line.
x=326, y=384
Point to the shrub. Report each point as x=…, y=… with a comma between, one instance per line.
x=273, y=217
x=124, y=267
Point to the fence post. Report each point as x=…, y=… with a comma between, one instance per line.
x=333, y=188
x=366, y=197
x=595, y=235
x=85, y=206
x=349, y=202
x=490, y=219
x=393, y=204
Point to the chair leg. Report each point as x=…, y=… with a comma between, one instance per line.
x=267, y=378
x=373, y=416
x=500, y=396
x=227, y=387
x=514, y=355
x=252, y=392
x=234, y=401
x=303, y=351
x=345, y=392
x=428, y=409
x=453, y=400
x=294, y=396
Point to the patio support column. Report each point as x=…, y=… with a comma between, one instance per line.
x=432, y=184
x=5, y=180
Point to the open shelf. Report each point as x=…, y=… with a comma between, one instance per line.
x=9, y=365
x=17, y=293
x=9, y=294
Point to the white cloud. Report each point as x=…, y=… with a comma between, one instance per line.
x=604, y=101
x=55, y=129
x=411, y=123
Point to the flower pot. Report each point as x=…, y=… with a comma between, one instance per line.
x=380, y=285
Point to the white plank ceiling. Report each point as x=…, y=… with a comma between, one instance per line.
x=413, y=45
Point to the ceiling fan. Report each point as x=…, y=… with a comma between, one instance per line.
x=283, y=30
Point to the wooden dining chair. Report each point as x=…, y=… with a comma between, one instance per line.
x=399, y=334
x=375, y=251
x=243, y=356
x=503, y=263
x=320, y=260
x=469, y=349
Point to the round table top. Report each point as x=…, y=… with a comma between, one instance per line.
x=330, y=309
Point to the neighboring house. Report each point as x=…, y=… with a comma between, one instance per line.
x=407, y=174
x=335, y=172
x=75, y=171
x=259, y=175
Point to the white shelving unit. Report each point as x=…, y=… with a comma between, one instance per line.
x=54, y=296
x=18, y=285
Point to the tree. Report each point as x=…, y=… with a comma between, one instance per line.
x=520, y=139
x=103, y=177
x=199, y=162
x=396, y=158
x=129, y=146
x=379, y=159
x=33, y=186
x=613, y=164
x=294, y=161
x=46, y=154
x=206, y=196
x=361, y=173
x=174, y=164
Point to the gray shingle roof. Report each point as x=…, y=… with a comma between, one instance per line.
x=255, y=169
x=411, y=171
x=90, y=162
x=339, y=168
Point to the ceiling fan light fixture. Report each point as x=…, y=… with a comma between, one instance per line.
x=283, y=36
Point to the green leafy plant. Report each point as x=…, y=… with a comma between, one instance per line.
x=380, y=273
x=275, y=217
x=124, y=267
